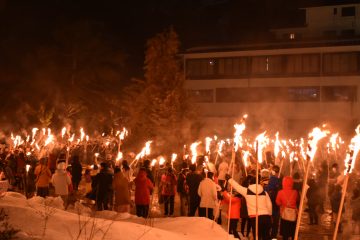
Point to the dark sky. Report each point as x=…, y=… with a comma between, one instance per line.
x=128, y=23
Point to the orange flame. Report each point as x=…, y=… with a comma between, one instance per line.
x=261, y=141
x=354, y=148
x=314, y=137
x=194, y=152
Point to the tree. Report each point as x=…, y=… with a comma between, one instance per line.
x=157, y=108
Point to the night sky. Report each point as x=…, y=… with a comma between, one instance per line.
x=127, y=24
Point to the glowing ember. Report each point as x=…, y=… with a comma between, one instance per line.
x=194, y=151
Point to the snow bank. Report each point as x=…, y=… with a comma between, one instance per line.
x=65, y=225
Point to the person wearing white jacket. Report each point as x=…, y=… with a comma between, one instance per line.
x=223, y=169
x=208, y=194
x=264, y=205
x=61, y=181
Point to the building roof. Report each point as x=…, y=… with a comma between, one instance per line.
x=320, y=3
x=274, y=45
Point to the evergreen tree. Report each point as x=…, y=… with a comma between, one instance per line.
x=157, y=108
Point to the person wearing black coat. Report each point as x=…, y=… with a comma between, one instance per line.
x=103, y=184
x=314, y=201
x=193, y=180
x=76, y=172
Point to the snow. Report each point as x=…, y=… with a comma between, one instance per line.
x=28, y=215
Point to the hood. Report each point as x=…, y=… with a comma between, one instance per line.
x=287, y=182
x=252, y=188
x=274, y=183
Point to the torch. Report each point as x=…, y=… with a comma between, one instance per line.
x=314, y=138
x=350, y=159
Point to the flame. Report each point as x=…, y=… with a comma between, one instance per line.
x=44, y=131
x=215, y=138
x=87, y=138
x=314, y=137
x=161, y=160
x=123, y=134
x=220, y=147
x=49, y=139
x=96, y=155
x=238, y=141
x=34, y=130
x=27, y=167
x=292, y=156
x=82, y=134
x=145, y=151
x=119, y=156
x=208, y=141
x=173, y=157
x=246, y=155
x=333, y=141
x=354, y=148
x=63, y=131
x=261, y=140
x=71, y=139
x=283, y=154
x=194, y=152
x=153, y=162
x=277, y=145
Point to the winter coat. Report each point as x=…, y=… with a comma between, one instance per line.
x=143, y=186
x=287, y=197
x=249, y=193
x=43, y=176
x=335, y=199
x=193, y=181
x=235, y=205
x=355, y=205
x=76, y=171
x=120, y=186
x=312, y=194
x=208, y=193
x=223, y=170
x=61, y=182
x=168, y=184
x=103, y=182
x=182, y=187
x=272, y=189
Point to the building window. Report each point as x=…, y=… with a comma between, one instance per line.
x=339, y=93
x=348, y=11
x=303, y=94
x=348, y=33
x=292, y=36
x=267, y=65
x=302, y=64
x=335, y=11
x=329, y=33
x=341, y=63
x=202, y=96
x=201, y=67
x=232, y=95
x=232, y=67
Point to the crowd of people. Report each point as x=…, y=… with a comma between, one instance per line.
x=217, y=191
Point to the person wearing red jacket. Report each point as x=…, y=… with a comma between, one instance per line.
x=168, y=189
x=143, y=186
x=234, y=211
x=287, y=197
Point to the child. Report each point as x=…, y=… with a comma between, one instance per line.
x=234, y=211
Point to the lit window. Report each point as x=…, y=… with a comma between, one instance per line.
x=292, y=35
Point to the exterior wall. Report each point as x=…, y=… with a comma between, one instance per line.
x=320, y=20
x=220, y=116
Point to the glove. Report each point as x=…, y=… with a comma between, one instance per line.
x=227, y=177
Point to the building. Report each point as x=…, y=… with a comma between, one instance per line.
x=308, y=75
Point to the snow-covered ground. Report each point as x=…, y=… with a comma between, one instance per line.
x=29, y=216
